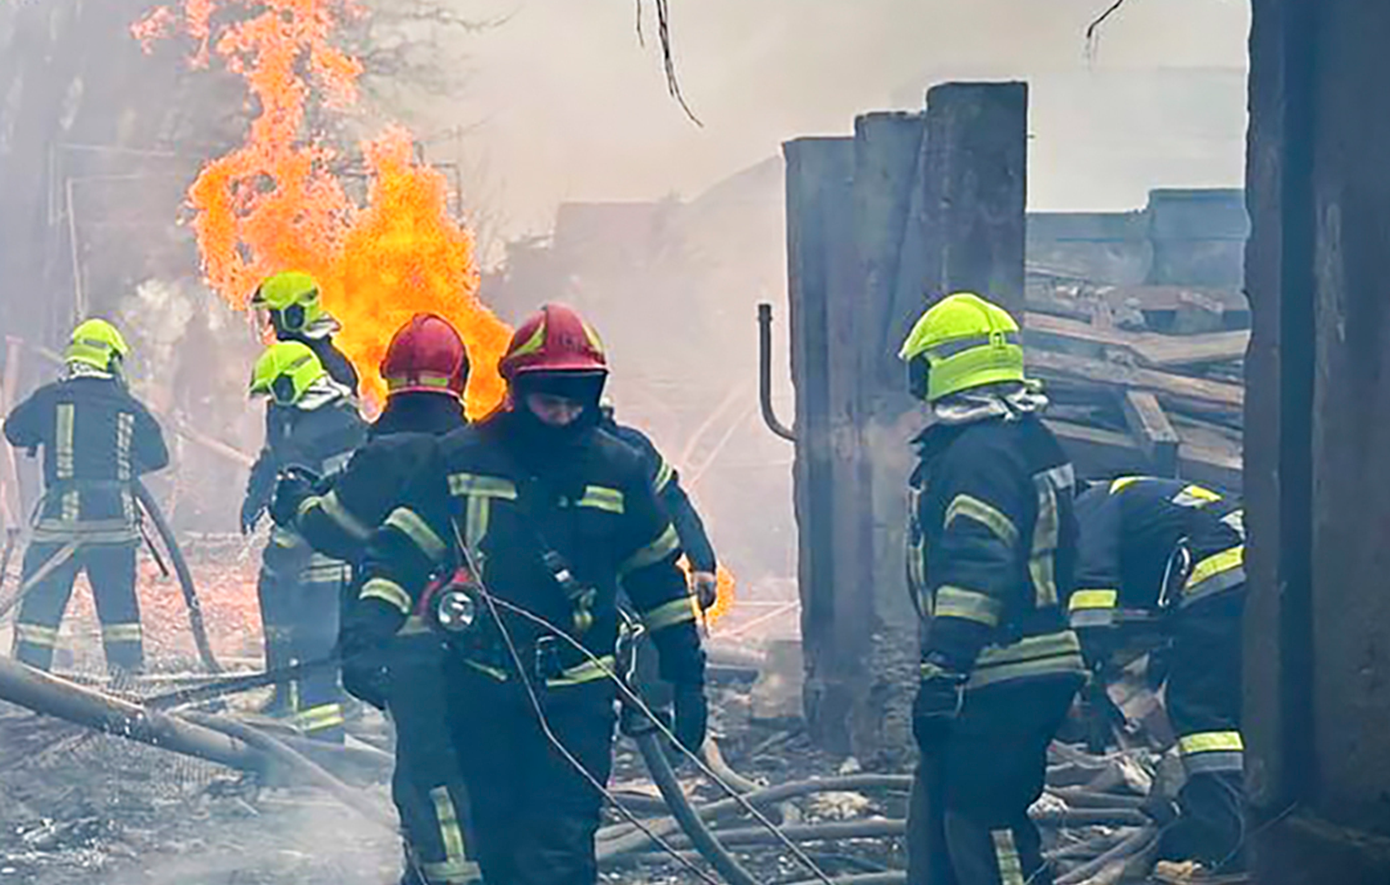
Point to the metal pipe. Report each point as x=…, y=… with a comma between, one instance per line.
x=51, y=696
x=765, y=374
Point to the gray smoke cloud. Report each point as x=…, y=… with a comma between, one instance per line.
x=562, y=103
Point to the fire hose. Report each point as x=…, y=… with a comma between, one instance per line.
x=184, y=574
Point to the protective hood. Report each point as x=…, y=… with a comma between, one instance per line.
x=1010, y=401
x=322, y=391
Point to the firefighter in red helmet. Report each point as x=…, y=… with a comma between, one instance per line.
x=426, y=373
x=535, y=510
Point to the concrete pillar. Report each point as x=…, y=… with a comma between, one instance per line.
x=1318, y=433
x=830, y=498
x=975, y=190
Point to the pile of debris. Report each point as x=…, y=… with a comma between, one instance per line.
x=1143, y=378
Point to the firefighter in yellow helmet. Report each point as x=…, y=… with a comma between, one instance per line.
x=97, y=440
x=992, y=546
x=312, y=424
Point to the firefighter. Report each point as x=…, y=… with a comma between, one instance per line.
x=294, y=305
x=1162, y=566
x=97, y=441
x=312, y=425
x=699, y=552
x=548, y=515
x=992, y=544
x=426, y=373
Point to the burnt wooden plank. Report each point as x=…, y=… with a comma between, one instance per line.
x=1150, y=349
x=1152, y=431
x=1174, y=391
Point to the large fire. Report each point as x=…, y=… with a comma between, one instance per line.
x=279, y=201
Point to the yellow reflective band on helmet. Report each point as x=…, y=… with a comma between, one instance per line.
x=36, y=634
x=534, y=344
x=669, y=614
x=667, y=543
x=409, y=523
x=1093, y=599
x=967, y=342
x=1211, y=742
x=1214, y=574
x=985, y=514
x=602, y=498
x=387, y=591
x=967, y=605
x=462, y=485
x=122, y=633
x=1121, y=483
x=424, y=379
x=96, y=343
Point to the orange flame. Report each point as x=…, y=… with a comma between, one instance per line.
x=278, y=202
x=724, y=599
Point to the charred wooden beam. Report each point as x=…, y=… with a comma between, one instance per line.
x=1149, y=349
x=1175, y=391
x=1152, y=431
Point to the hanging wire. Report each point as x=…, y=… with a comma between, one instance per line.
x=631, y=696
x=1094, y=27
x=575, y=763
x=668, y=59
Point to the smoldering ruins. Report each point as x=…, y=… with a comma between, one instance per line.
x=1225, y=335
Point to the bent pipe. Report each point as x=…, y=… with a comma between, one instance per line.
x=184, y=574
x=659, y=767
x=636, y=841
x=765, y=374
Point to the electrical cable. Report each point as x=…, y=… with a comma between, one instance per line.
x=544, y=722
x=641, y=705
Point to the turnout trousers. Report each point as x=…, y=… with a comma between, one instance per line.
x=427, y=786
x=110, y=569
x=534, y=814
x=300, y=595
x=1203, y=698
x=968, y=818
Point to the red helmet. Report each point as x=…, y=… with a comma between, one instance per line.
x=426, y=354
x=554, y=339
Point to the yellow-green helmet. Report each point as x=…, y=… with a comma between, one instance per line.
x=292, y=297
x=98, y=344
x=285, y=372
x=963, y=341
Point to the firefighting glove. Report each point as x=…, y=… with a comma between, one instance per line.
x=706, y=589
x=940, y=697
x=692, y=715
x=290, y=492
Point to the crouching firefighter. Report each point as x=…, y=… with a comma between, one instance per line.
x=97, y=441
x=426, y=373
x=1162, y=567
x=546, y=516
x=312, y=426
x=992, y=543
